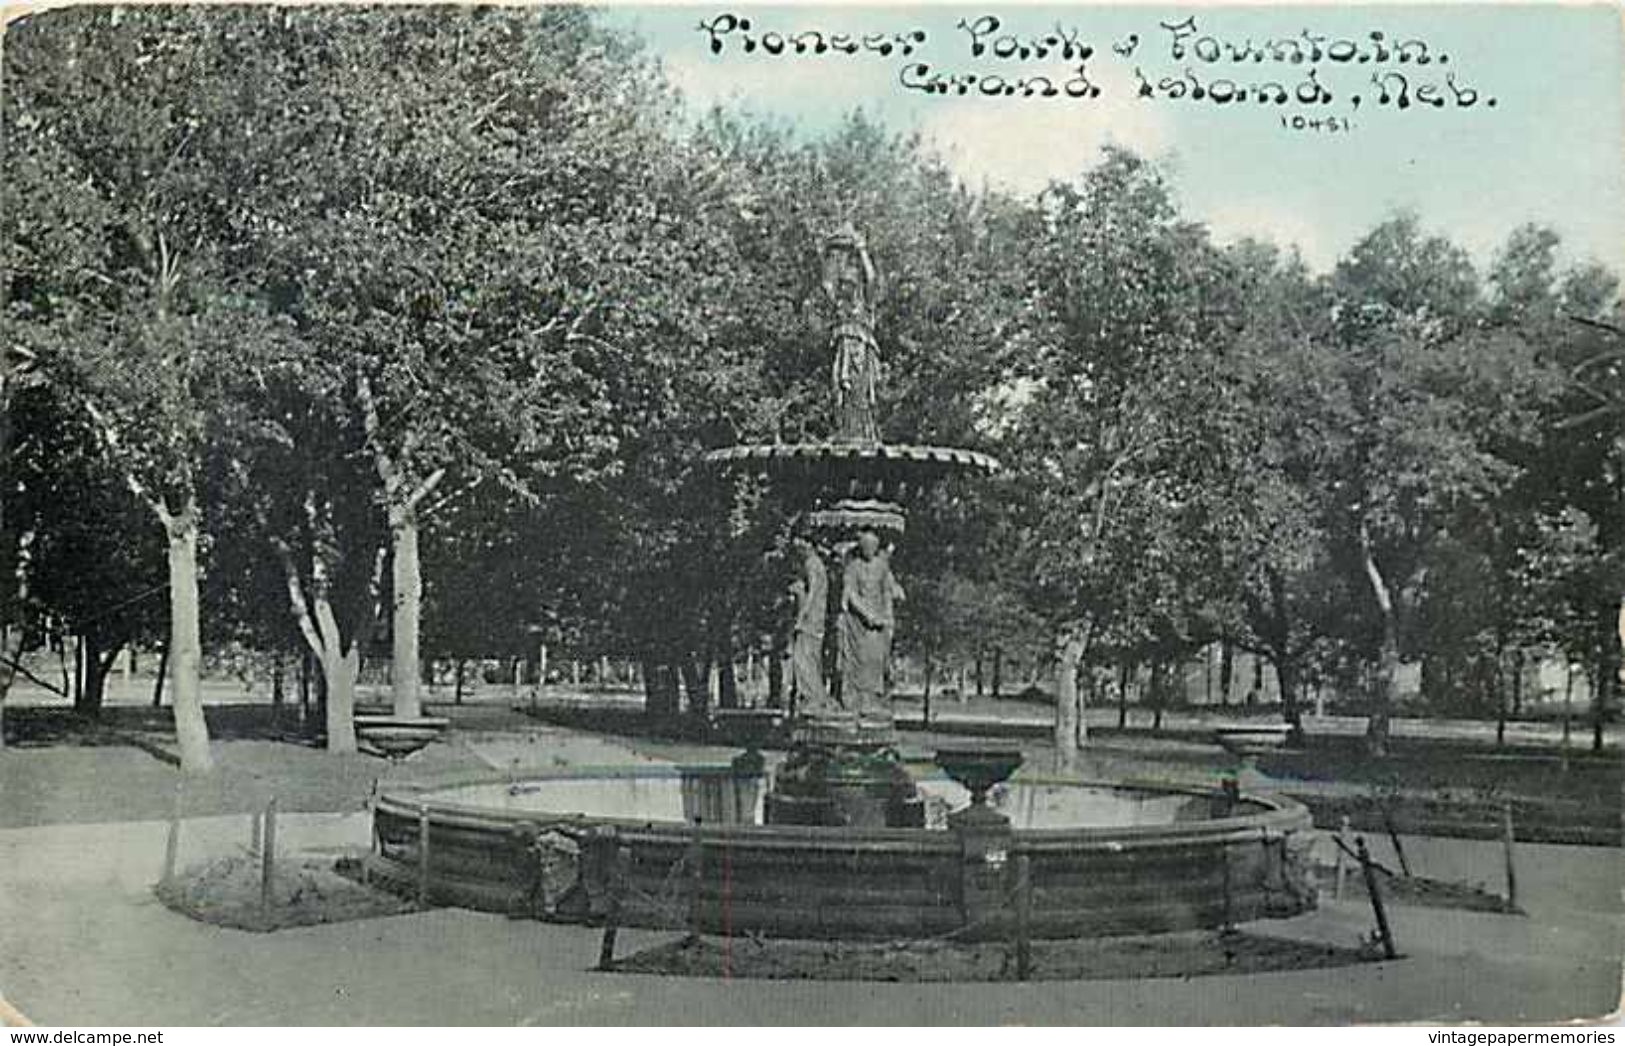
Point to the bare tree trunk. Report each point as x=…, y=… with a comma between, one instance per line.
x=1070, y=729
x=727, y=683
x=1159, y=692
x=340, y=665
x=339, y=673
x=407, y=595
x=1286, y=673
x=1382, y=697
x=95, y=666
x=11, y=648
x=185, y=650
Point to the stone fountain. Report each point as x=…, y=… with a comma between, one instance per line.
x=839, y=845
x=852, y=490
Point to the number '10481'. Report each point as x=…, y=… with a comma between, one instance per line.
x=1300, y=122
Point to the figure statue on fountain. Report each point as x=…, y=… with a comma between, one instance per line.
x=811, y=593
x=869, y=598
x=849, y=283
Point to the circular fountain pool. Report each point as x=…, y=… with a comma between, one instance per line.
x=686, y=847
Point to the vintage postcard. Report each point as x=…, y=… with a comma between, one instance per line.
x=1103, y=515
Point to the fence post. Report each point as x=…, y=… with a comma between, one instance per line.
x=1343, y=835
x=1508, y=850
x=1384, y=934
x=268, y=857
x=1024, y=916
x=618, y=872
x=423, y=855
x=1393, y=837
x=696, y=880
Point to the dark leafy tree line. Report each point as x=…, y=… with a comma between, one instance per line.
x=332, y=332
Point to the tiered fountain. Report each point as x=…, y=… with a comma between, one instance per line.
x=840, y=844
x=852, y=489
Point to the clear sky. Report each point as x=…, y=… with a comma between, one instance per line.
x=1552, y=149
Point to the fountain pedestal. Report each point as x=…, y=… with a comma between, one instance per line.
x=985, y=836
x=844, y=773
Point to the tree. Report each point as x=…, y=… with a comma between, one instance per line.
x=1129, y=319
x=120, y=177
x=95, y=566
x=467, y=251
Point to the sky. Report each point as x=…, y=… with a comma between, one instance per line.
x=1550, y=150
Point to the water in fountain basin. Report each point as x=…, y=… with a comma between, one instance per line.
x=676, y=794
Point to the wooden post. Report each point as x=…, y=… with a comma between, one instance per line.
x=1507, y=848
x=1384, y=935
x=1343, y=835
x=618, y=872
x=1393, y=837
x=1024, y=917
x=423, y=856
x=696, y=880
x=1568, y=708
x=268, y=857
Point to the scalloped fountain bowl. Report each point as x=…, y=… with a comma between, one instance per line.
x=687, y=845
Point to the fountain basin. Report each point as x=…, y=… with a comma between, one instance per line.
x=1167, y=858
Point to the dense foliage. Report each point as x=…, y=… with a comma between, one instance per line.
x=300, y=289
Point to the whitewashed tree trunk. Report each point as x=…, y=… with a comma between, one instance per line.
x=1070, y=728
x=407, y=603
x=339, y=672
x=185, y=642
x=340, y=666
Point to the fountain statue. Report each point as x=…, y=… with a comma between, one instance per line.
x=849, y=283
x=852, y=489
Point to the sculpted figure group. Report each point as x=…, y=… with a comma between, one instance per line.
x=866, y=616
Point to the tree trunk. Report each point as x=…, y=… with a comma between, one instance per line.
x=407, y=595
x=304, y=686
x=95, y=666
x=78, y=687
x=1610, y=662
x=185, y=649
x=694, y=685
x=339, y=673
x=1070, y=729
x=925, y=711
x=661, y=700
x=1517, y=683
x=1227, y=671
x=11, y=648
x=1286, y=673
x=1159, y=683
x=979, y=687
x=727, y=684
x=998, y=672
x=457, y=681
x=1382, y=695
x=775, y=674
